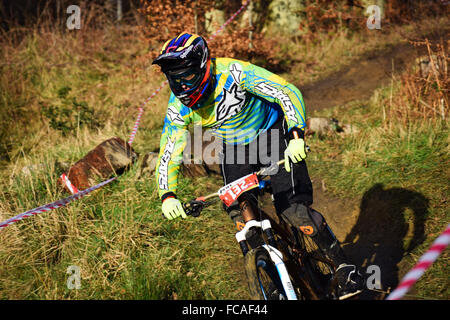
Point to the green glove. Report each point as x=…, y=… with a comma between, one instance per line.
x=295, y=151
x=172, y=209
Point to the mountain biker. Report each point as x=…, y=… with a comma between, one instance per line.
x=242, y=104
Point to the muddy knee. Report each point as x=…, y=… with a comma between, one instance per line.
x=308, y=220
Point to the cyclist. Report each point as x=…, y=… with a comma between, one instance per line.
x=247, y=107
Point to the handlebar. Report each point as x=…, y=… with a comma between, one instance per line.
x=194, y=207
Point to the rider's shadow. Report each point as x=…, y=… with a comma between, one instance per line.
x=390, y=225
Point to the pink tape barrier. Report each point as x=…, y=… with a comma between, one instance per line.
x=53, y=205
x=141, y=111
x=69, y=184
x=422, y=265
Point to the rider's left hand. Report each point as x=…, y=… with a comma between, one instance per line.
x=296, y=152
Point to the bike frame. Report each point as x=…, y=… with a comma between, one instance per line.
x=275, y=255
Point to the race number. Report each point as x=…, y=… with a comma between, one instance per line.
x=229, y=193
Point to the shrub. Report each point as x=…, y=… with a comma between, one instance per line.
x=424, y=90
x=165, y=19
x=70, y=114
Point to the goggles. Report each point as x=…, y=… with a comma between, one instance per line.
x=184, y=79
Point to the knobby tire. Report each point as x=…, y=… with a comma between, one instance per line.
x=263, y=280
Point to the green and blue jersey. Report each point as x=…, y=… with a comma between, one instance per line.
x=246, y=101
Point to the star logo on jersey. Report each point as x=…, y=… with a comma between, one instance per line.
x=175, y=116
x=231, y=103
x=236, y=70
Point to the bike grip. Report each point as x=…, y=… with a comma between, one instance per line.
x=186, y=208
x=307, y=148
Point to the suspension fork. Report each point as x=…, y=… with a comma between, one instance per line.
x=247, y=209
x=275, y=255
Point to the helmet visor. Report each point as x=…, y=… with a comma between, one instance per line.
x=184, y=79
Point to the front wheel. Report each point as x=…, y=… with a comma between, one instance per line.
x=263, y=280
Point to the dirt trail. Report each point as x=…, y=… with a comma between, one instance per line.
x=362, y=230
x=358, y=80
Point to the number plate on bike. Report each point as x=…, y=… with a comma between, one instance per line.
x=229, y=193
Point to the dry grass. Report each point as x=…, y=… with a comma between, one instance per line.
x=117, y=237
x=424, y=93
x=331, y=51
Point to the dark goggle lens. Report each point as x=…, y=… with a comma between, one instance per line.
x=186, y=77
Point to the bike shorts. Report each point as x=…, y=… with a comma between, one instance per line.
x=287, y=187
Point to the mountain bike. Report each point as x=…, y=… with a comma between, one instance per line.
x=288, y=265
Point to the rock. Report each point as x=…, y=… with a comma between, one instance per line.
x=327, y=126
x=321, y=126
x=111, y=157
x=214, y=19
x=193, y=170
x=31, y=169
x=349, y=129
x=148, y=165
x=196, y=164
x=37, y=168
x=211, y=155
x=285, y=17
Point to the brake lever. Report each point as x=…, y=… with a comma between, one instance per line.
x=270, y=170
x=194, y=207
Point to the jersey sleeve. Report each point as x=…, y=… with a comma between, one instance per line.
x=172, y=143
x=267, y=85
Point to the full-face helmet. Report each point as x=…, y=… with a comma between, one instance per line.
x=186, y=63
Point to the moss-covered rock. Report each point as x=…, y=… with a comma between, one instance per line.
x=214, y=19
x=285, y=17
